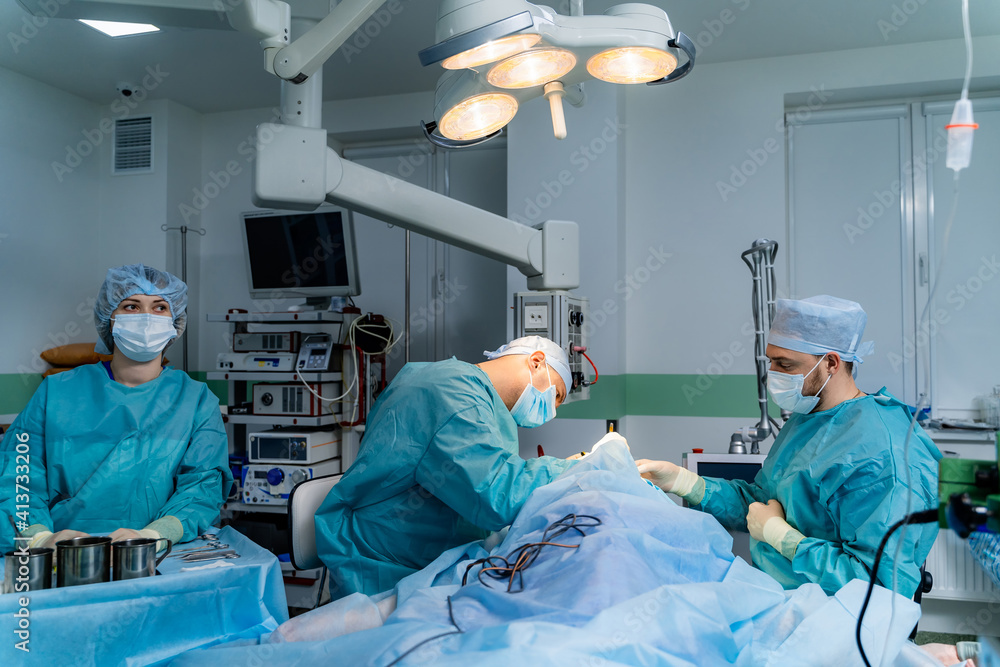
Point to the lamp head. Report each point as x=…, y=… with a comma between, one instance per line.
x=514, y=49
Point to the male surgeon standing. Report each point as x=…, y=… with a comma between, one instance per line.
x=439, y=463
x=836, y=478
x=127, y=447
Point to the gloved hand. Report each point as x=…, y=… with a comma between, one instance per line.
x=610, y=437
x=129, y=534
x=766, y=523
x=759, y=514
x=47, y=540
x=673, y=479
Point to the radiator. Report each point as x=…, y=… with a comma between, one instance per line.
x=957, y=575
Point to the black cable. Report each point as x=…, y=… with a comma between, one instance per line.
x=514, y=564
x=456, y=631
x=926, y=516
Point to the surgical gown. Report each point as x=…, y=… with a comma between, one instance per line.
x=841, y=477
x=438, y=467
x=104, y=456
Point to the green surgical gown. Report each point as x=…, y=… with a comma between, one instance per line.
x=438, y=467
x=103, y=456
x=841, y=477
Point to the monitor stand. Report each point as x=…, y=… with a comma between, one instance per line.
x=318, y=303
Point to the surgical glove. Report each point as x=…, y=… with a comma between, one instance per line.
x=129, y=534
x=766, y=523
x=673, y=479
x=610, y=437
x=48, y=540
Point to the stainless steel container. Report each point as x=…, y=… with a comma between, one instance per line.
x=27, y=570
x=136, y=558
x=83, y=560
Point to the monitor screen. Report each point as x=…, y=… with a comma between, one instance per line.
x=725, y=470
x=291, y=253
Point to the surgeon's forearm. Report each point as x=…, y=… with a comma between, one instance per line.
x=831, y=566
x=194, y=505
x=728, y=500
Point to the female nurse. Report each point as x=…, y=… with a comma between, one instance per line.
x=128, y=447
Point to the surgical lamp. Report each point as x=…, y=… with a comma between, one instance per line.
x=502, y=53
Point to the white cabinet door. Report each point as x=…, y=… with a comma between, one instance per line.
x=964, y=328
x=850, y=232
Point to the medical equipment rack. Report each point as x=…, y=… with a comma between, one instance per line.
x=239, y=383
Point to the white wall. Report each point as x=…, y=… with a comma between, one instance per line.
x=65, y=225
x=50, y=229
x=685, y=138
x=478, y=178
x=679, y=142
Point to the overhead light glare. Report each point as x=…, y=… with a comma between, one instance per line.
x=477, y=116
x=631, y=64
x=532, y=68
x=490, y=52
x=117, y=29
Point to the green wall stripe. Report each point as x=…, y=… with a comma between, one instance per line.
x=15, y=391
x=607, y=401
x=613, y=397
x=692, y=395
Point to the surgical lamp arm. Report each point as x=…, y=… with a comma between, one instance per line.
x=268, y=20
x=296, y=169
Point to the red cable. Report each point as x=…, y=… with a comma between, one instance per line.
x=596, y=374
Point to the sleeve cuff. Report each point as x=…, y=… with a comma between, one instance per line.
x=168, y=527
x=39, y=537
x=780, y=535
x=689, y=486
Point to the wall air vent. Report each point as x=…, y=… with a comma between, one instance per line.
x=133, y=146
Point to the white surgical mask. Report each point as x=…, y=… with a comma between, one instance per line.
x=142, y=336
x=786, y=390
x=534, y=407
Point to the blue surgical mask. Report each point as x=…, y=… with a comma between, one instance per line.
x=534, y=407
x=786, y=390
x=142, y=336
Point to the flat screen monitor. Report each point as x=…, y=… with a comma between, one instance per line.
x=292, y=254
x=724, y=466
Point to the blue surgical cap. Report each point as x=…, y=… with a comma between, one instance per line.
x=125, y=281
x=821, y=324
x=555, y=356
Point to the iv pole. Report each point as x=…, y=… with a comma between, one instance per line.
x=184, y=229
x=760, y=259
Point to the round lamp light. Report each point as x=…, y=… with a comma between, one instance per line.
x=477, y=116
x=631, y=64
x=532, y=68
x=490, y=52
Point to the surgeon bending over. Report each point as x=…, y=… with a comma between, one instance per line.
x=439, y=463
x=126, y=447
x=835, y=479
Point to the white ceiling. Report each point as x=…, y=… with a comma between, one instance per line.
x=212, y=71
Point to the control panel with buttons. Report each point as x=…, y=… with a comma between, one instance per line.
x=266, y=484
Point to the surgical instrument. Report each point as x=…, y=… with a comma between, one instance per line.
x=206, y=557
x=209, y=545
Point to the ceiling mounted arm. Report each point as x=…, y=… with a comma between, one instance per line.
x=269, y=20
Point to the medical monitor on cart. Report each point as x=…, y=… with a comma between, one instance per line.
x=295, y=253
